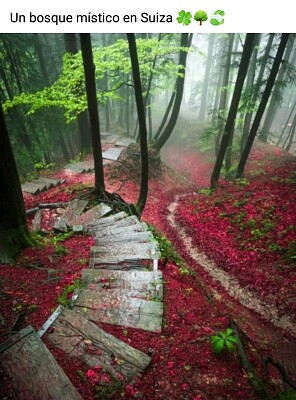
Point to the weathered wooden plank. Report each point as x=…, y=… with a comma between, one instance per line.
x=138, y=250
x=91, y=215
x=105, y=222
x=33, y=370
x=113, y=231
x=74, y=209
x=123, y=264
x=50, y=182
x=115, y=307
x=112, y=153
x=143, y=284
x=81, y=166
x=36, y=223
x=124, y=142
x=80, y=338
x=139, y=237
x=102, y=225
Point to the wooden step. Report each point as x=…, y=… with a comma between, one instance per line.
x=105, y=222
x=91, y=215
x=116, y=307
x=124, y=142
x=139, y=237
x=134, y=250
x=113, y=153
x=40, y=184
x=81, y=166
x=142, y=284
x=113, y=231
x=33, y=371
x=80, y=338
x=74, y=209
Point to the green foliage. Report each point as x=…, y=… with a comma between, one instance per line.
x=290, y=253
x=168, y=252
x=206, y=192
x=68, y=91
x=223, y=341
x=287, y=395
x=42, y=166
x=63, y=298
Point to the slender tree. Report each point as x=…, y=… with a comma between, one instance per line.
x=259, y=114
x=82, y=120
x=230, y=122
x=14, y=234
x=205, y=86
x=166, y=133
x=89, y=71
x=142, y=123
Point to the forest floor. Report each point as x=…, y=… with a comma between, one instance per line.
x=231, y=259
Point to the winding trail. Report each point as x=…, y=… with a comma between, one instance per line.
x=232, y=286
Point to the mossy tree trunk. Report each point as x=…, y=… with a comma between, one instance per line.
x=14, y=234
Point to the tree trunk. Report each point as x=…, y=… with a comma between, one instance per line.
x=273, y=101
x=291, y=135
x=14, y=234
x=142, y=123
x=185, y=42
x=202, y=110
x=263, y=103
x=82, y=119
x=242, y=72
x=286, y=123
x=89, y=71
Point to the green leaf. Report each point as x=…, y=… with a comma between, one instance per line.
x=180, y=20
x=218, y=346
x=229, y=331
x=182, y=13
x=229, y=346
x=232, y=339
x=188, y=15
x=187, y=22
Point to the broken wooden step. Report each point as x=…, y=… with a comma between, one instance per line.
x=74, y=209
x=80, y=338
x=36, y=223
x=92, y=214
x=33, y=371
x=143, y=284
x=116, y=307
x=113, y=153
x=105, y=222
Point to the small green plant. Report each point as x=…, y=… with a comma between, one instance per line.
x=41, y=166
x=290, y=253
x=224, y=340
x=205, y=192
x=64, y=298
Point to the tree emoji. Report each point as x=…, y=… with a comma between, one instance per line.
x=200, y=16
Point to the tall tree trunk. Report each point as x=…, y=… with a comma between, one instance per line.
x=159, y=143
x=40, y=54
x=224, y=92
x=269, y=85
x=90, y=82
x=273, y=101
x=205, y=86
x=82, y=119
x=142, y=123
x=14, y=234
x=286, y=123
x=291, y=134
x=242, y=72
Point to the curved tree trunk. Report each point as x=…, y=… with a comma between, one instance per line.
x=159, y=143
x=142, y=123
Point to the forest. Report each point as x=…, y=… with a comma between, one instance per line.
x=148, y=218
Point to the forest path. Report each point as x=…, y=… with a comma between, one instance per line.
x=250, y=322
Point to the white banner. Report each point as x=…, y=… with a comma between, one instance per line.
x=155, y=16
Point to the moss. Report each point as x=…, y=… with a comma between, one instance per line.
x=12, y=242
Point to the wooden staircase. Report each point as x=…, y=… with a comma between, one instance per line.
x=122, y=286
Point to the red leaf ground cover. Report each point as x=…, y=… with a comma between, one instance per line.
x=184, y=365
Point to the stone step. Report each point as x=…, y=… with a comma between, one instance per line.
x=145, y=250
x=116, y=307
x=40, y=184
x=102, y=224
x=33, y=371
x=81, y=166
x=93, y=214
x=124, y=142
x=74, y=209
x=80, y=338
x=142, y=284
x=105, y=222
